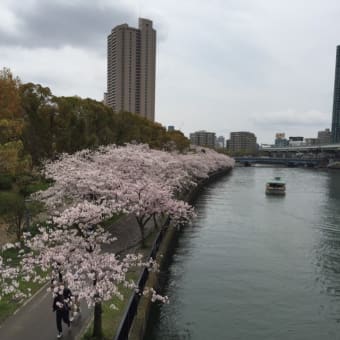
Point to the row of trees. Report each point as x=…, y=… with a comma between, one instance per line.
x=12, y=158
x=89, y=187
x=36, y=125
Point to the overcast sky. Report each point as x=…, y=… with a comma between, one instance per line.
x=264, y=66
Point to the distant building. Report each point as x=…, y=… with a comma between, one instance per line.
x=220, y=142
x=280, y=140
x=311, y=141
x=242, y=141
x=296, y=141
x=203, y=138
x=336, y=100
x=281, y=143
x=265, y=146
x=280, y=135
x=171, y=128
x=131, y=69
x=324, y=137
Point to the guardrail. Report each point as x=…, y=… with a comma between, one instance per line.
x=131, y=310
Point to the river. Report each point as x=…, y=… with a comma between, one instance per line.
x=256, y=267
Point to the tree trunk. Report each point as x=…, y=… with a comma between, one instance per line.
x=155, y=222
x=141, y=227
x=97, y=323
x=142, y=221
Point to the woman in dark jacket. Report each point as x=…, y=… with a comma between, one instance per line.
x=62, y=314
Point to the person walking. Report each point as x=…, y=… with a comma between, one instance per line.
x=68, y=299
x=76, y=304
x=61, y=309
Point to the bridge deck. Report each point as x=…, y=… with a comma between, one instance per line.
x=284, y=161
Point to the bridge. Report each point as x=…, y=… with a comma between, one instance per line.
x=308, y=162
x=304, y=148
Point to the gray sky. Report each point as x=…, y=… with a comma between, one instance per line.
x=264, y=66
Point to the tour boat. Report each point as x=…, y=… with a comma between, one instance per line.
x=276, y=187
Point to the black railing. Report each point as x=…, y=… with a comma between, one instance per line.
x=131, y=310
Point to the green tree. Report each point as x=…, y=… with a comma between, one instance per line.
x=40, y=111
x=11, y=118
x=180, y=141
x=12, y=158
x=12, y=209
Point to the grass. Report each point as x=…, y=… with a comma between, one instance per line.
x=8, y=305
x=24, y=185
x=36, y=186
x=111, y=318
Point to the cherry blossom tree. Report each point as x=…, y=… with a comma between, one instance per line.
x=72, y=252
x=132, y=179
x=9, y=274
x=90, y=186
x=149, y=200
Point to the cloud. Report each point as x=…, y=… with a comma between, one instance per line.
x=290, y=121
x=218, y=61
x=67, y=71
x=292, y=117
x=56, y=24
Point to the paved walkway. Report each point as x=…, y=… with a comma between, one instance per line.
x=36, y=321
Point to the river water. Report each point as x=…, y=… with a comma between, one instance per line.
x=254, y=266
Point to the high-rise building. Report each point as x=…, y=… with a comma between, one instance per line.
x=336, y=100
x=280, y=140
x=131, y=69
x=242, y=141
x=220, y=142
x=324, y=137
x=203, y=138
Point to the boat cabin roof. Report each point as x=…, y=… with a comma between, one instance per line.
x=276, y=180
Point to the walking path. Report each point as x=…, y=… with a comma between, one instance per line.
x=35, y=320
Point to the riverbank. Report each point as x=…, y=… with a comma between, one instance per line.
x=113, y=318
x=142, y=317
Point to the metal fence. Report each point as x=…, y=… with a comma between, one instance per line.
x=131, y=310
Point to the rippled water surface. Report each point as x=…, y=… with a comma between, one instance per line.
x=254, y=266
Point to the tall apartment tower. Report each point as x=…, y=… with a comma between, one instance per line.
x=336, y=100
x=242, y=141
x=203, y=138
x=131, y=69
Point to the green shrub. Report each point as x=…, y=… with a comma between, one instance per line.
x=5, y=182
x=33, y=187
